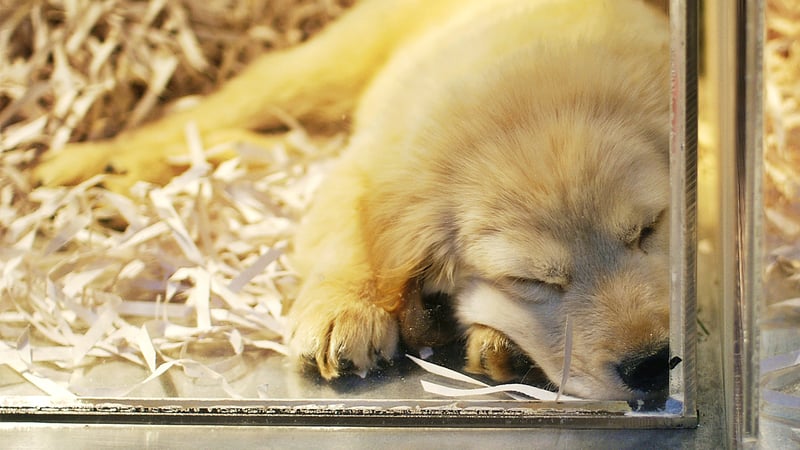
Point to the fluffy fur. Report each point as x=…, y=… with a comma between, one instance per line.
x=508, y=161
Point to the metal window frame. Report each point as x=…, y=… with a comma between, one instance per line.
x=740, y=27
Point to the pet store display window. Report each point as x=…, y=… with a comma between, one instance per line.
x=199, y=352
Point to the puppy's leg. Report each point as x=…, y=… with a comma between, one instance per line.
x=220, y=145
x=343, y=319
x=338, y=327
x=319, y=80
x=492, y=353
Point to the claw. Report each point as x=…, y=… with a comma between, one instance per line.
x=346, y=365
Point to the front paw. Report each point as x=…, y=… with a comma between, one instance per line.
x=336, y=338
x=490, y=352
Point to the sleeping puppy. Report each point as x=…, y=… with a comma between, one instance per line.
x=508, y=164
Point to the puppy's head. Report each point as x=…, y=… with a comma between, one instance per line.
x=572, y=221
x=542, y=195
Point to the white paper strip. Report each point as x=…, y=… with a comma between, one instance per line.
x=257, y=267
x=270, y=345
x=144, y=235
x=191, y=368
x=445, y=372
x=167, y=213
x=147, y=349
x=509, y=389
x=779, y=362
x=263, y=391
x=567, y=357
x=530, y=391
x=199, y=295
x=790, y=303
x=24, y=348
x=160, y=370
x=153, y=309
x=13, y=360
x=233, y=299
x=127, y=209
x=235, y=339
x=197, y=370
x=95, y=332
x=67, y=233
x=195, y=144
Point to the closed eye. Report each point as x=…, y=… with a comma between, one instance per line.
x=528, y=283
x=647, y=232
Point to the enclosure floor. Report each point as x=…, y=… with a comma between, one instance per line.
x=400, y=381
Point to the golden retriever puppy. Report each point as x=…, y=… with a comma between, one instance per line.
x=507, y=169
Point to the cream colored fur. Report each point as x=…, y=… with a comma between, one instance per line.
x=510, y=155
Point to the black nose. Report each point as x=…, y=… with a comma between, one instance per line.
x=646, y=371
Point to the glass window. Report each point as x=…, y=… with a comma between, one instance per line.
x=172, y=300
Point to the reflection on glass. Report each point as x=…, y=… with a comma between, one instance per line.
x=780, y=311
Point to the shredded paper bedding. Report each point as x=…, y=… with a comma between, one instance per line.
x=89, y=275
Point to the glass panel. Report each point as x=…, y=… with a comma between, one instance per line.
x=172, y=300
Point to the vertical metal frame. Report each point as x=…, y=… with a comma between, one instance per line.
x=749, y=160
x=738, y=27
x=683, y=215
